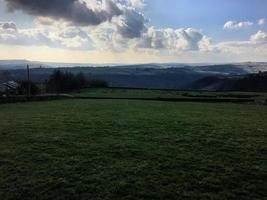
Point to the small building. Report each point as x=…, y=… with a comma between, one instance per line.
x=10, y=87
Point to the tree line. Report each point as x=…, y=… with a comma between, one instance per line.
x=59, y=82
x=252, y=83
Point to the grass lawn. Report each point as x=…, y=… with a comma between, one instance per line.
x=115, y=149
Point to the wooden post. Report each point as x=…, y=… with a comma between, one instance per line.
x=7, y=90
x=29, y=84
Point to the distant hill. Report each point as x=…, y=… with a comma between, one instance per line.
x=232, y=69
x=170, y=78
x=226, y=69
x=21, y=64
x=17, y=64
x=155, y=75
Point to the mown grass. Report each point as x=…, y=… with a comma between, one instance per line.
x=114, y=149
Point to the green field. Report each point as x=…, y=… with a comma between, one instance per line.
x=125, y=149
x=140, y=93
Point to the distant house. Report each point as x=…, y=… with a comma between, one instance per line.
x=10, y=87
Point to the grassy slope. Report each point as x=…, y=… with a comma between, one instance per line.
x=140, y=93
x=126, y=93
x=79, y=149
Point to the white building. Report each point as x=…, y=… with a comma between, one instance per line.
x=9, y=87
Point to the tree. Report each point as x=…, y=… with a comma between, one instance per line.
x=66, y=82
x=23, y=88
x=82, y=81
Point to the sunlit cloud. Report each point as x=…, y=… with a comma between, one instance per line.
x=232, y=25
x=120, y=26
x=262, y=21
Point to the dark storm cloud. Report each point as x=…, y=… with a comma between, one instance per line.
x=8, y=26
x=74, y=11
x=133, y=24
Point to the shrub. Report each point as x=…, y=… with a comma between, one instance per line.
x=66, y=82
x=23, y=88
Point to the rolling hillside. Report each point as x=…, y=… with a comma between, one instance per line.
x=152, y=76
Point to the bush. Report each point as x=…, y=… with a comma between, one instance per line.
x=66, y=82
x=23, y=88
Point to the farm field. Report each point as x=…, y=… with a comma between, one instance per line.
x=126, y=149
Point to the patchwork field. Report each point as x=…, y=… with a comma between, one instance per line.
x=125, y=149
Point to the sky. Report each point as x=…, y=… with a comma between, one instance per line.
x=134, y=31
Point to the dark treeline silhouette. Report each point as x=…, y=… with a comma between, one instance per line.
x=5, y=76
x=66, y=82
x=247, y=83
x=24, y=86
x=253, y=82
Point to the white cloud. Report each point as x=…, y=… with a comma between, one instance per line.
x=136, y=3
x=44, y=21
x=170, y=39
x=253, y=49
x=129, y=31
x=131, y=24
x=183, y=43
x=232, y=25
x=259, y=37
x=261, y=22
x=86, y=13
x=59, y=35
x=8, y=26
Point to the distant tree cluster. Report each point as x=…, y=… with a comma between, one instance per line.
x=66, y=82
x=5, y=76
x=252, y=82
x=246, y=83
x=24, y=86
x=61, y=82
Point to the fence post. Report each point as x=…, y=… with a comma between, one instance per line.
x=29, y=84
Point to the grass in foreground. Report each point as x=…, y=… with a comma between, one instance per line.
x=80, y=149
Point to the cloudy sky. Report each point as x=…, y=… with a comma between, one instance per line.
x=134, y=31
